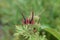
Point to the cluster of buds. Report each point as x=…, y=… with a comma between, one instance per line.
x=31, y=20
x=27, y=20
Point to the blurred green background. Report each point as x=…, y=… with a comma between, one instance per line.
x=10, y=14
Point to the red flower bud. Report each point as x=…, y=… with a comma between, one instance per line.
x=26, y=21
x=32, y=22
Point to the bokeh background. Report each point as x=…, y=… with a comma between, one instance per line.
x=47, y=10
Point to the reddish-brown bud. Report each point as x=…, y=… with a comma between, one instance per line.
x=32, y=22
x=26, y=21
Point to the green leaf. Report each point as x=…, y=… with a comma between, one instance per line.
x=53, y=32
